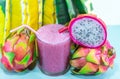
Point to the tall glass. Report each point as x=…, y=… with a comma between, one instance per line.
x=54, y=49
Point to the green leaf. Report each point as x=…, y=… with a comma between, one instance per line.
x=71, y=9
x=80, y=6
x=62, y=11
x=91, y=6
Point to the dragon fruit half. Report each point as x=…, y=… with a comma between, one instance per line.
x=87, y=30
x=88, y=61
x=18, y=51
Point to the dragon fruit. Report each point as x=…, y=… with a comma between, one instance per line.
x=88, y=61
x=18, y=51
x=88, y=31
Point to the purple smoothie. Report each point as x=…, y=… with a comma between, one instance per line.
x=54, y=49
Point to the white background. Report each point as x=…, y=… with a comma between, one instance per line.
x=108, y=10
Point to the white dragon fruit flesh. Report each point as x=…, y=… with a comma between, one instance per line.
x=88, y=31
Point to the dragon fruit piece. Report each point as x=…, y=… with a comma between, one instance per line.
x=88, y=31
x=18, y=52
x=93, y=61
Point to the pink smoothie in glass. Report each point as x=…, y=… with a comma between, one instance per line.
x=54, y=49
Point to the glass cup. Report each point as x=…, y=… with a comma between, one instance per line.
x=54, y=50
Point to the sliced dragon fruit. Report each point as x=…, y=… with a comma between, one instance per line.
x=95, y=61
x=88, y=31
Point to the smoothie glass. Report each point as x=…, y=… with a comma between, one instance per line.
x=54, y=49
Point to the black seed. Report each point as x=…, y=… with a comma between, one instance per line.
x=83, y=24
x=84, y=20
x=80, y=33
x=102, y=38
x=84, y=37
x=74, y=30
x=76, y=27
x=79, y=39
x=87, y=35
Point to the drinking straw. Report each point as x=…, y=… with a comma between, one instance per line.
x=26, y=26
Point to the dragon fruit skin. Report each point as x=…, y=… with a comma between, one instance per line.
x=88, y=31
x=17, y=52
x=88, y=61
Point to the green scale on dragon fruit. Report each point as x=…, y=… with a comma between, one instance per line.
x=19, y=51
x=95, y=61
